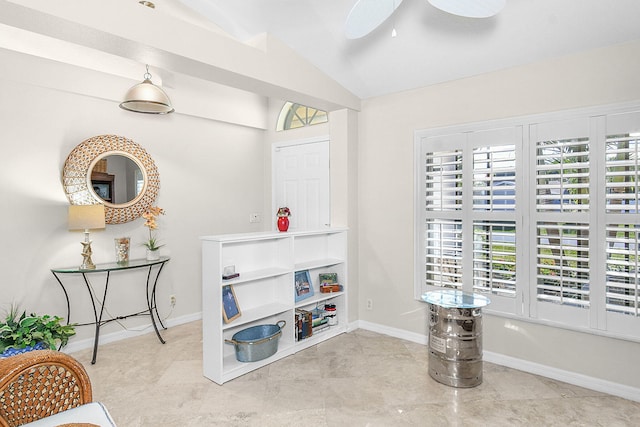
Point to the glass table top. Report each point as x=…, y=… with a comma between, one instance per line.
x=113, y=266
x=450, y=298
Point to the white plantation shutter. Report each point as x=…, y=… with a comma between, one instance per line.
x=470, y=209
x=444, y=253
x=623, y=267
x=441, y=194
x=542, y=214
x=443, y=178
x=621, y=176
x=494, y=242
x=494, y=257
x=494, y=178
x=562, y=175
x=563, y=263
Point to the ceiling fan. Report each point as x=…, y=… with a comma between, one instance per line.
x=367, y=15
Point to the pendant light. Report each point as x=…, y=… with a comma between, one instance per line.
x=147, y=98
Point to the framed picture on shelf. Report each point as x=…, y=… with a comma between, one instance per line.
x=329, y=283
x=230, y=307
x=304, y=286
x=328, y=278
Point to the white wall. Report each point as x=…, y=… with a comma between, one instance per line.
x=386, y=195
x=210, y=173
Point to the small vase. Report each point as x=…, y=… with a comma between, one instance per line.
x=122, y=249
x=283, y=223
x=153, y=255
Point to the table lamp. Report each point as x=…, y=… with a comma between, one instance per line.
x=86, y=217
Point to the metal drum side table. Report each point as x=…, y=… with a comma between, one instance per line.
x=455, y=337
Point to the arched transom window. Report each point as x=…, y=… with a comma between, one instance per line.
x=294, y=116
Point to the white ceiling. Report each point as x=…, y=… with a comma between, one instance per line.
x=431, y=46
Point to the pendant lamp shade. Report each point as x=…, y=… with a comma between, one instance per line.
x=147, y=98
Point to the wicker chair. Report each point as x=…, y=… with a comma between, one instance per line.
x=40, y=383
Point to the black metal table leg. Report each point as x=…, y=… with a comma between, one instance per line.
x=155, y=305
x=98, y=315
x=95, y=316
x=66, y=296
x=151, y=299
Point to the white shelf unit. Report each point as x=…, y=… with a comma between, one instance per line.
x=265, y=291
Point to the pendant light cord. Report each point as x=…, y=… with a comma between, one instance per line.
x=147, y=75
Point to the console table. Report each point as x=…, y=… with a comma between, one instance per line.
x=95, y=302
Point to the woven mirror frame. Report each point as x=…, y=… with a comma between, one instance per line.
x=76, y=176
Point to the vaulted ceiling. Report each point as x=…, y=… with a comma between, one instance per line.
x=431, y=46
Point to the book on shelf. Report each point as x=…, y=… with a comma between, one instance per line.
x=319, y=321
x=304, y=324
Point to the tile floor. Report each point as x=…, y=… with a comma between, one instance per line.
x=356, y=379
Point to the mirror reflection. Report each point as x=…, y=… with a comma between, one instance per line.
x=117, y=179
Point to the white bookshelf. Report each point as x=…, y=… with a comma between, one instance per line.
x=265, y=291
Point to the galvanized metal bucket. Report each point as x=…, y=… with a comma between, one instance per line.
x=257, y=342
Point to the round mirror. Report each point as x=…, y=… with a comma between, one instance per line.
x=117, y=179
x=114, y=171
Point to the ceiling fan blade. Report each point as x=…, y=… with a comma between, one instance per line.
x=367, y=15
x=470, y=8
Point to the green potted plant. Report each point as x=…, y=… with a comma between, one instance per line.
x=32, y=332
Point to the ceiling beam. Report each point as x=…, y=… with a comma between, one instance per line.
x=131, y=31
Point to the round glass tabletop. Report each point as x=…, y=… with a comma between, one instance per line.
x=451, y=298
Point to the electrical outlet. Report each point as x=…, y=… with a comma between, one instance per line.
x=255, y=217
x=369, y=304
x=172, y=300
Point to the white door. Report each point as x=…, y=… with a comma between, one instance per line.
x=301, y=183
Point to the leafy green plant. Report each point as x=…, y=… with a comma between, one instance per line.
x=28, y=330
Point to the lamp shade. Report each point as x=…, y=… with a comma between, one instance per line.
x=86, y=217
x=147, y=98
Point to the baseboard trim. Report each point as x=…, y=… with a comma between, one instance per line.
x=387, y=330
x=129, y=333
x=597, y=384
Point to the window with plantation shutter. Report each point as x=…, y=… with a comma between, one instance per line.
x=469, y=188
x=540, y=213
x=494, y=178
x=563, y=263
x=443, y=176
x=494, y=257
x=622, y=173
x=443, y=237
x=444, y=253
x=562, y=175
x=623, y=267
x=562, y=246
